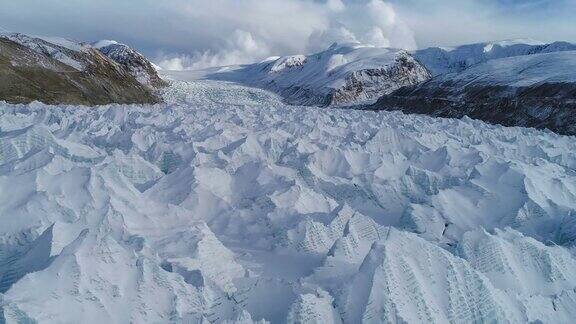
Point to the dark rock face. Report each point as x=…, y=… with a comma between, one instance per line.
x=539, y=106
x=370, y=83
x=39, y=72
x=134, y=62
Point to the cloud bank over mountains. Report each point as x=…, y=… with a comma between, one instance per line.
x=202, y=33
x=294, y=26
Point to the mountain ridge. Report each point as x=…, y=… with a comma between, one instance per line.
x=59, y=71
x=440, y=60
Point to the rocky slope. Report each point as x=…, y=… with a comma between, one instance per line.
x=58, y=71
x=142, y=69
x=342, y=75
x=536, y=90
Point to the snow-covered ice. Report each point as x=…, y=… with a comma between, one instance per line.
x=226, y=205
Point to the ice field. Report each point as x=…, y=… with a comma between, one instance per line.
x=226, y=205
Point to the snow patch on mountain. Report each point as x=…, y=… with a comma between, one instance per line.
x=103, y=43
x=533, y=90
x=78, y=55
x=55, y=47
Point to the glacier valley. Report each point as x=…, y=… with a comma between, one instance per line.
x=226, y=205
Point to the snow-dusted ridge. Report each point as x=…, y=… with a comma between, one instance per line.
x=142, y=69
x=64, y=72
x=60, y=49
x=79, y=55
x=353, y=74
x=226, y=205
x=457, y=59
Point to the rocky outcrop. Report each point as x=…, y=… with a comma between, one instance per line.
x=367, y=84
x=64, y=72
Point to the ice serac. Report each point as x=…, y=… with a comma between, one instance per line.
x=536, y=90
x=59, y=71
x=540, y=276
x=406, y=279
x=16, y=260
x=344, y=74
x=142, y=69
x=98, y=252
x=518, y=263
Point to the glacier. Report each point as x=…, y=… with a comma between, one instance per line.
x=226, y=205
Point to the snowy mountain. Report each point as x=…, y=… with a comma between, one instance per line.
x=352, y=74
x=537, y=90
x=224, y=204
x=142, y=69
x=450, y=60
x=59, y=71
x=343, y=74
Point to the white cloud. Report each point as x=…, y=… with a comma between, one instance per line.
x=296, y=26
x=241, y=48
x=322, y=39
x=336, y=5
x=377, y=37
x=382, y=13
x=199, y=33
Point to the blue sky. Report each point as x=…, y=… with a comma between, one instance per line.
x=449, y=22
x=201, y=33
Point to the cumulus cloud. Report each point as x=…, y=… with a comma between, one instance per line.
x=202, y=33
x=327, y=22
x=388, y=29
x=379, y=26
x=241, y=47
